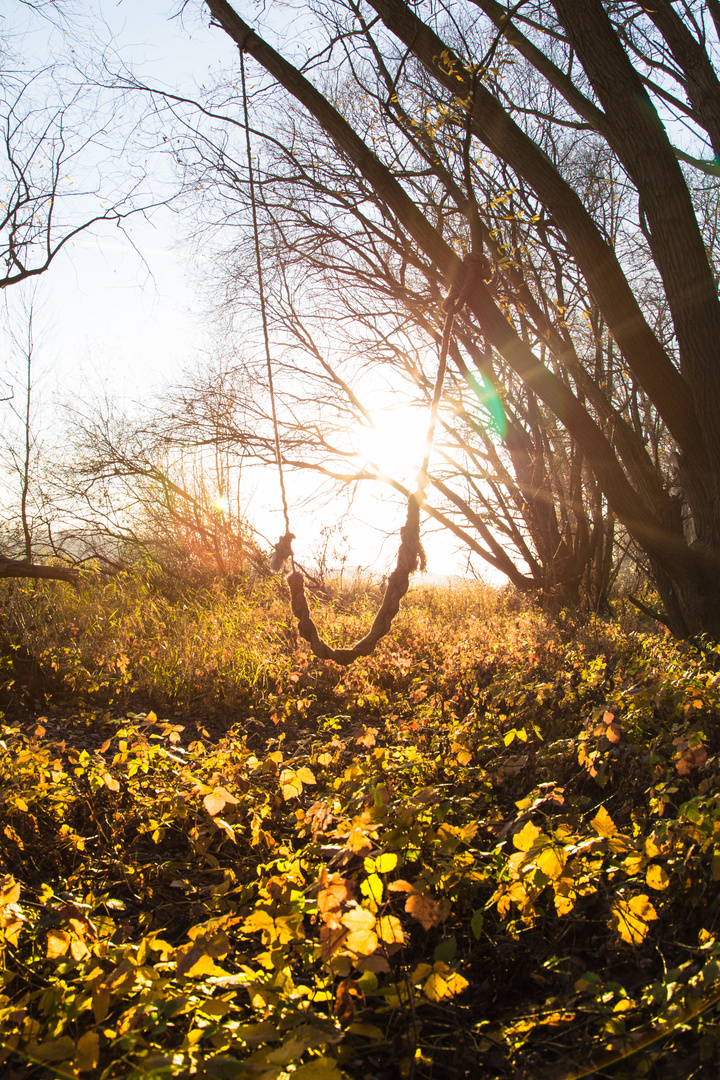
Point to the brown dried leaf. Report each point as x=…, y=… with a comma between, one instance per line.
x=691, y=758
x=53, y=1050
x=331, y=939
x=344, y=1007
x=426, y=910
x=331, y=899
x=87, y=1052
x=401, y=886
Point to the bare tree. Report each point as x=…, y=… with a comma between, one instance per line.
x=67, y=161
x=595, y=70
x=134, y=488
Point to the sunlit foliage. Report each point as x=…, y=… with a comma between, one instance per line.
x=490, y=849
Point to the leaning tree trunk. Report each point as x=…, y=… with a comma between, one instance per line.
x=16, y=568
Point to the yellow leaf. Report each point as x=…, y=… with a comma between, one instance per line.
x=449, y=838
x=196, y=963
x=386, y=862
x=213, y=803
x=565, y=896
x=9, y=891
x=110, y=782
x=436, y=988
x=551, y=860
x=305, y=775
x=633, y=864
x=227, y=829
x=258, y=920
x=372, y=888
x=58, y=943
x=603, y=824
x=358, y=842
x=87, y=1053
x=656, y=845
x=79, y=950
x=444, y=983
x=358, y=918
x=290, y=784
x=362, y=942
x=217, y=800
x=632, y=918
x=456, y=983
x=657, y=877
x=469, y=832
x=525, y=839
x=389, y=930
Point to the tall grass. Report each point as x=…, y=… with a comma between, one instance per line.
x=142, y=638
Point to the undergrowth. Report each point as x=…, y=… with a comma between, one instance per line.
x=492, y=849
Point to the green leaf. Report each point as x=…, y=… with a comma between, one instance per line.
x=446, y=950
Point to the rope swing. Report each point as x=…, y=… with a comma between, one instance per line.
x=410, y=557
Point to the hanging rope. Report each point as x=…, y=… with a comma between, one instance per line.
x=282, y=554
x=411, y=556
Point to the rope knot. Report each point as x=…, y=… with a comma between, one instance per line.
x=282, y=553
x=412, y=554
x=473, y=268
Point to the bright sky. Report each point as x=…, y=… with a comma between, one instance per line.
x=121, y=303
x=122, y=300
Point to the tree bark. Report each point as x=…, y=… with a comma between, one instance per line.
x=16, y=568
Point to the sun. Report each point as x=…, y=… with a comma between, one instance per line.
x=396, y=443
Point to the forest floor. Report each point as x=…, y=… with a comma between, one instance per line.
x=490, y=850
